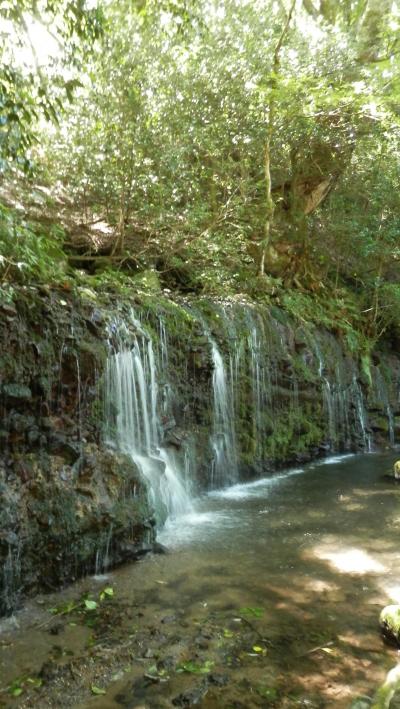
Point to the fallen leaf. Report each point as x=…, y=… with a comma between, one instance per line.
x=97, y=690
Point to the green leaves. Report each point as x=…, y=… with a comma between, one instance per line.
x=195, y=668
x=90, y=605
x=32, y=83
x=20, y=684
x=27, y=251
x=228, y=633
x=252, y=612
x=85, y=605
x=97, y=690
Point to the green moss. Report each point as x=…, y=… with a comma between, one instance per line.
x=294, y=432
x=389, y=621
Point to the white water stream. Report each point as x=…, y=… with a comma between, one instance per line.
x=133, y=425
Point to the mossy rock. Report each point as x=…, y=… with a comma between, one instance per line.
x=389, y=621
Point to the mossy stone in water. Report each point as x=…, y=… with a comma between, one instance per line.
x=389, y=621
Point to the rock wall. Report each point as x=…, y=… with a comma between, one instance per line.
x=68, y=506
x=72, y=503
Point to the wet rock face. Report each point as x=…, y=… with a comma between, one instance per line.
x=66, y=523
x=68, y=505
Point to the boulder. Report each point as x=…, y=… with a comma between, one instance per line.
x=389, y=621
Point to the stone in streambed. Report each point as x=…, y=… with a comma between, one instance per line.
x=389, y=621
x=394, y=475
x=192, y=696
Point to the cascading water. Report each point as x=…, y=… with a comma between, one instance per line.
x=330, y=402
x=262, y=374
x=223, y=441
x=131, y=393
x=260, y=378
x=361, y=415
x=343, y=399
x=257, y=384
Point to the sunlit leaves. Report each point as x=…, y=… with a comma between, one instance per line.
x=31, y=87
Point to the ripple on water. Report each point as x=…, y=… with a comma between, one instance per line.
x=241, y=491
x=196, y=525
x=333, y=459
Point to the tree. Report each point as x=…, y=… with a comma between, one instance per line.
x=29, y=90
x=230, y=132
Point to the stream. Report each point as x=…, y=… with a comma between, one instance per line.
x=269, y=595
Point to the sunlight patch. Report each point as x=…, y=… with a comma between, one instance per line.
x=350, y=561
x=392, y=591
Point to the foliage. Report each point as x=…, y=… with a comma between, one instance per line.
x=167, y=143
x=84, y=605
x=97, y=690
x=29, y=252
x=27, y=91
x=19, y=685
x=252, y=612
x=195, y=667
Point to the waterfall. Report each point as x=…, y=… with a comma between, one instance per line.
x=329, y=401
x=131, y=397
x=342, y=396
x=261, y=372
x=257, y=385
x=11, y=573
x=223, y=440
x=156, y=411
x=361, y=414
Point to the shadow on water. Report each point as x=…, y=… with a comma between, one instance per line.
x=270, y=596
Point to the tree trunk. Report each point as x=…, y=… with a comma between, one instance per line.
x=269, y=202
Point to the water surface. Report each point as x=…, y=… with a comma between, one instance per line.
x=297, y=565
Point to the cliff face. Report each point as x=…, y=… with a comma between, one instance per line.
x=218, y=392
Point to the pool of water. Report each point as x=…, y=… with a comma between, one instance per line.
x=269, y=596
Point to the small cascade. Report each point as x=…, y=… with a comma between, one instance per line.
x=390, y=417
x=223, y=440
x=131, y=397
x=330, y=409
x=257, y=389
x=361, y=414
x=260, y=382
x=337, y=402
x=103, y=559
x=11, y=580
x=329, y=401
x=163, y=344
